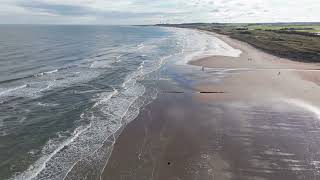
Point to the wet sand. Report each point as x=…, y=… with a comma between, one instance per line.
x=264, y=125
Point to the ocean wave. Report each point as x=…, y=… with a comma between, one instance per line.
x=15, y=79
x=47, y=104
x=30, y=76
x=109, y=114
x=41, y=163
x=91, y=143
x=50, y=72
x=37, y=86
x=46, y=73
x=132, y=51
x=6, y=91
x=140, y=46
x=101, y=64
x=112, y=108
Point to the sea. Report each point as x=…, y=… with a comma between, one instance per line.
x=67, y=91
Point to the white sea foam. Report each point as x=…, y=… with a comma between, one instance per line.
x=50, y=72
x=140, y=46
x=46, y=73
x=118, y=58
x=101, y=64
x=41, y=163
x=9, y=90
x=47, y=104
x=196, y=44
x=105, y=97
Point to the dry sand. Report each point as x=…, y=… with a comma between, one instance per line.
x=265, y=126
x=258, y=75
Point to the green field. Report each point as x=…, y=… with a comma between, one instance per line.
x=294, y=27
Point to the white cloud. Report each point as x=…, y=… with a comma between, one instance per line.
x=154, y=11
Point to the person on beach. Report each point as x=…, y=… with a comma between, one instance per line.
x=202, y=68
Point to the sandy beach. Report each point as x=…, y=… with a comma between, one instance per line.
x=259, y=121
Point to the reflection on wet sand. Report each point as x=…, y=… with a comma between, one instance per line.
x=176, y=138
x=265, y=126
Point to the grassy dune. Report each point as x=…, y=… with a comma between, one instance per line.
x=298, y=42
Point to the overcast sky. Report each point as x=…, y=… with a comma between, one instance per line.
x=156, y=11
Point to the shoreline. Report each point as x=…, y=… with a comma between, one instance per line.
x=259, y=129
x=249, y=51
x=286, y=43
x=277, y=73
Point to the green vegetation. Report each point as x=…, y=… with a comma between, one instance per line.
x=287, y=27
x=294, y=41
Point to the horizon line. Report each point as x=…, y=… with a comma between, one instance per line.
x=161, y=23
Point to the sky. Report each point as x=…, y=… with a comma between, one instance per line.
x=122, y=12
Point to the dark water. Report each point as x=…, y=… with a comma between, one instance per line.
x=65, y=89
